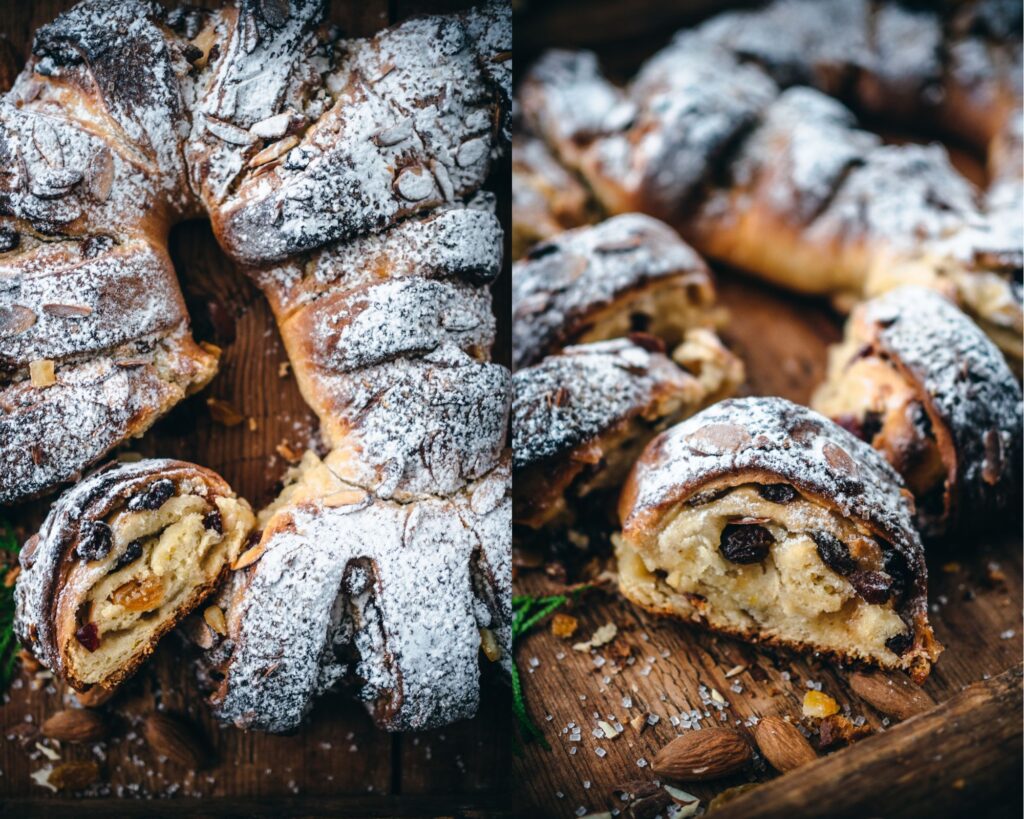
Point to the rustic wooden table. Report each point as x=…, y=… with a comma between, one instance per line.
x=664, y=669
x=338, y=764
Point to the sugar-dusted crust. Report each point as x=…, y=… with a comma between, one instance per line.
x=568, y=288
x=47, y=594
x=415, y=114
x=546, y=197
x=963, y=381
x=781, y=182
x=767, y=440
x=380, y=598
x=581, y=416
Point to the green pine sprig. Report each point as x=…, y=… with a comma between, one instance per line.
x=8, y=642
x=528, y=611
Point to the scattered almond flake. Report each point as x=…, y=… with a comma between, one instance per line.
x=564, y=625
x=638, y=723
x=42, y=777
x=607, y=730
x=282, y=369
x=819, y=705
x=681, y=797
x=605, y=634
x=736, y=669
x=286, y=452
x=717, y=697
x=48, y=752
x=253, y=426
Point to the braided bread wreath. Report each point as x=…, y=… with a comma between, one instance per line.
x=345, y=176
x=757, y=517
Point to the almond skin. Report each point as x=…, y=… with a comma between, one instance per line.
x=894, y=696
x=179, y=742
x=699, y=755
x=782, y=744
x=75, y=725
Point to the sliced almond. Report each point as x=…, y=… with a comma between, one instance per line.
x=214, y=617
x=274, y=152
x=248, y=557
x=346, y=497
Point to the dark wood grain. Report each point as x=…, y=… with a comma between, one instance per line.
x=977, y=617
x=933, y=759
x=462, y=770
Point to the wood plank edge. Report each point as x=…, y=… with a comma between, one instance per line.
x=935, y=764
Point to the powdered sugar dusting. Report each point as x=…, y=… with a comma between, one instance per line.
x=570, y=398
x=388, y=579
x=562, y=282
x=968, y=383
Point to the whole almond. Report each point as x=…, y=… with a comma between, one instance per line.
x=892, y=695
x=699, y=755
x=75, y=725
x=178, y=741
x=74, y=776
x=782, y=744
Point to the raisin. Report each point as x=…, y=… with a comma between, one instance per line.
x=874, y=587
x=776, y=492
x=834, y=553
x=94, y=541
x=132, y=553
x=871, y=425
x=89, y=636
x=153, y=497
x=213, y=520
x=896, y=568
x=899, y=644
x=745, y=543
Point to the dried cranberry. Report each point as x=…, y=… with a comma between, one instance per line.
x=153, y=497
x=899, y=644
x=874, y=587
x=745, y=543
x=89, y=636
x=213, y=520
x=776, y=492
x=834, y=553
x=94, y=540
x=132, y=553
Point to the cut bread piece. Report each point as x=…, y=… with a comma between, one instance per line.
x=919, y=381
x=581, y=418
x=762, y=519
x=120, y=560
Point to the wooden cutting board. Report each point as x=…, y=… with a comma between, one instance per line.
x=661, y=668
x=338, y=763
